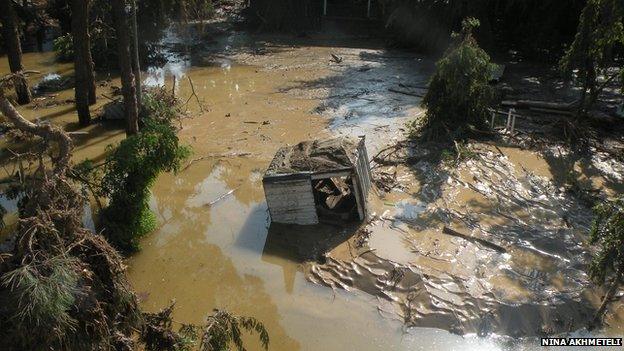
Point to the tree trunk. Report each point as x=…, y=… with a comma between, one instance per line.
x=83, y=64
x=46, y=131
x=128, y=85
x=608, y=297
x=136, y=64
x=10, y=34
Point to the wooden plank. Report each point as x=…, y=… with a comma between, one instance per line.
x=327, y=175
x=286, y=177
x=364, y=163
x=358, y=198
x=289, y=192
x=291, y=201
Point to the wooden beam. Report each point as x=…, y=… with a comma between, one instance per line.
x=330, y=174
x=359, y=200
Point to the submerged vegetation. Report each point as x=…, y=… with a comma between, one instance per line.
x=132, y=167
x=222, y=331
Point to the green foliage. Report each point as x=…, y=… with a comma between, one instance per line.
x=223, y=329
x=608, y=234
x=157, y=332
x=131, y=169
x=41, y=298
x=600, y=32
x=459, y=93
x=102, y=34
x=64, y=48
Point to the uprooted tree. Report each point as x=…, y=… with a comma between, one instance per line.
x=63, y=286
x=608, y=234
x=459, y=93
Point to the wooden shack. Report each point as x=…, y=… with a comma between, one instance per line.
x=319, y=180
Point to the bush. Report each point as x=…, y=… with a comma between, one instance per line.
x=64, y=48
x=459, y=93
x=131, y=169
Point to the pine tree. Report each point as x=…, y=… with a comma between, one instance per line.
x=459, y=93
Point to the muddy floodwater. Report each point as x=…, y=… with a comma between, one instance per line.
x=395, y=283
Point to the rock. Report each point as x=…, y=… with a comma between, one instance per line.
x=52, y=82
x=113, y=111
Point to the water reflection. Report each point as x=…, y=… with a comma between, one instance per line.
x=226, y=254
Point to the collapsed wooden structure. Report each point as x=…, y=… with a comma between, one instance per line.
x=320, y=180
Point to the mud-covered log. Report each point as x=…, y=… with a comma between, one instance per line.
x=488, y=244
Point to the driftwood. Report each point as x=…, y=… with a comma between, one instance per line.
x=212, y=156
x=405, y=92
x=50, y=237
x=380, y=158
x=535, y=104
x=336, y=58
x=422, y=87
x=488, y=244
x=193, y=95
x=600, y=116
x=221, y=197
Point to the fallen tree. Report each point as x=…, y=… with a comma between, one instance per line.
x=63, y=287
x=60, y=284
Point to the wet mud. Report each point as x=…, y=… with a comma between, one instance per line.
x=534, y=285
x=397, y=279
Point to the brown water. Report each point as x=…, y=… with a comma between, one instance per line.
x=258, y=94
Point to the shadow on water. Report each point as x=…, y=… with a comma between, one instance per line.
x=287, y=244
